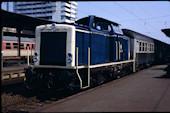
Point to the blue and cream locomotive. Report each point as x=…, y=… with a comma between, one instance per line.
x=77, y=56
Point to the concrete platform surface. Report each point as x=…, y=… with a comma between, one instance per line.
x=145, y=91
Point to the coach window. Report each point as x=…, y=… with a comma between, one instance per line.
x=152, y=49
x=28, y=45
x=137, y=46
x=22, y=46
x=143, y=46
x=146, y=46
x=140, y=46
x=8, y=45
x=32, y=46
x=15, y=45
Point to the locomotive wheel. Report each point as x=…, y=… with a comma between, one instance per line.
x=70, y=81
x=28, y=82
x=100, y=78
x=28, y=85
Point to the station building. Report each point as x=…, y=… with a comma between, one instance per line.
x=58, y=11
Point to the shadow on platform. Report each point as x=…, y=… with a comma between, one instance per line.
x=158, y=69
x=164, y=76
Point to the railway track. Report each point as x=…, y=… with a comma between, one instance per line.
x=22, y=102
x=34, y=101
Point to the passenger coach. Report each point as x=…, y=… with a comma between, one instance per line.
x=144, y=48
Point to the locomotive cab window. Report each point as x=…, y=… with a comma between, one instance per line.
x=8, y=45
x=116, y=29
x=102, y=26
x=98, y=27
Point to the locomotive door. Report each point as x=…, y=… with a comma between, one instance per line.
x=118, y=49
x=121, y=53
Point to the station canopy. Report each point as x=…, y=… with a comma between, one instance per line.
x=22, y=22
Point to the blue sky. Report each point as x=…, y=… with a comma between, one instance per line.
x=146, y=17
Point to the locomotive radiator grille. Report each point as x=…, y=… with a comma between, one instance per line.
x=53, y=48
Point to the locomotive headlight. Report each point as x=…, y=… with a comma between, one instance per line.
x=69, y=57
x=35, y=53
x=52, y=25
x=35, y=56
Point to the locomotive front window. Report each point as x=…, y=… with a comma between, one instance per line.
x=116, y=29
x=53, y=48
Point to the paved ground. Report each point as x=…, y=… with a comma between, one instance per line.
x=144, y=91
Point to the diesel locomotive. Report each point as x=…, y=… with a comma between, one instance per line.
x=87, y=53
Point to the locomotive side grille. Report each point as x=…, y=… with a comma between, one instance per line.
x=53, y=48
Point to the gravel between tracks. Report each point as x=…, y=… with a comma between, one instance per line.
x=15, y=93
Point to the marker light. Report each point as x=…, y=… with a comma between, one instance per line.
x=69, y=57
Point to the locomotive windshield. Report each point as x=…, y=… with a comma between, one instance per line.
x=103, y=26
x=116, y=29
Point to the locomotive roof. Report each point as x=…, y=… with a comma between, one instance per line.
x=166, y=31
x=87, y=19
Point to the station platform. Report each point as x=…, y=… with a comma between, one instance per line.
x=145, y=91
x=13, y=74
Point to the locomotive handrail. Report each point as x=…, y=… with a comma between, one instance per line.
x=81, y=83
x=112, y=63
x=28, y=55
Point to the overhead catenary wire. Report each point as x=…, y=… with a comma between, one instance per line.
x=149, y=18
x=135, y=16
